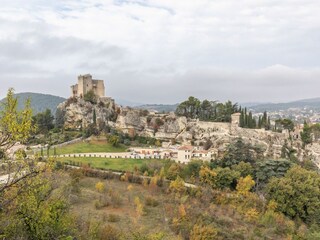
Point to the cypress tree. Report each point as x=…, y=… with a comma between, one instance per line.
x=246, y=118
x=250, y=120
x=269, y=124
x=241, y=124
x=94, y=117
x=259, y=122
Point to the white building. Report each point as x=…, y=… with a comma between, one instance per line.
x=184, y=154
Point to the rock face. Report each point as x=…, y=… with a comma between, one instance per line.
x=78, y=114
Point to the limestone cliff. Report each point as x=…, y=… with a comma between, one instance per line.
x=79, y=114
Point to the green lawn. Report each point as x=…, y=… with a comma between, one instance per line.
x=120, y=164
x=89, y=147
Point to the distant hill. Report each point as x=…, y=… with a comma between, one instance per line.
x=39, y=101
x=313, y=103
x=159, y=107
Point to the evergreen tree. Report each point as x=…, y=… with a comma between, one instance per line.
x=250, y=120
x=245, y=118
x=306, y=134
x=268, y=127
x=94, y=117
x=259, y=122
x=241, y=122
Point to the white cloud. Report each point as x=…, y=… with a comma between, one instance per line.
x=223, y=49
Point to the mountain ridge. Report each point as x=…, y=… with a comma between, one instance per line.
x=39, y=101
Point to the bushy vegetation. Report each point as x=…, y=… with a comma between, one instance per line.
x=207, y=110
x=90, y=97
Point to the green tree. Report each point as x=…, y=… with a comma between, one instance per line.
x=173, y=171
x=113, y=140
x=59, y=118
x=37, y=212
x=243, y=168
x=15, y=125
x=297, y=194
x=207, y=110
x=94, y=117
x=306, y=137
x=191, y=169
x=266, y=169
x=219, y=178
x=238, y=151
x=44, y=121
x=285, y=124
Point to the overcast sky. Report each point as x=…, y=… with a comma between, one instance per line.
x=162, y=51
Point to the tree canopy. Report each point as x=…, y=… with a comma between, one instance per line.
x=207, y=110
x=44, y=121
x=15, y=125
x=284, y=124
x=297, y=194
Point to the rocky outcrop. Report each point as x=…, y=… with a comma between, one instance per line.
x=77, y=113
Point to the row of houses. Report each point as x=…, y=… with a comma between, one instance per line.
x=181, y=154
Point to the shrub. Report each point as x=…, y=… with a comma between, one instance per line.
x=219, y=178
x=100, y=187
x=113, y=218
x=116, y=200
x=252, y=215
x=200, y=232
x=101, y=203
x=109, y=233
x=177, y=186
x=70, y=101
x=139, y=207
x=244, y=185
x=151, y=202
x=173, y=171
x=90, y=97
x=278, y=222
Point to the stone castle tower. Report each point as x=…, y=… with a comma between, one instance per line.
x=86, y=84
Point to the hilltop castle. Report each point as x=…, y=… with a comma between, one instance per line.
x=86, y=84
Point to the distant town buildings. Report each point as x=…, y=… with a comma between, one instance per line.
x=86, y=84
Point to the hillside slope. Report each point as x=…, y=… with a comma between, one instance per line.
x=313, y=103
x=39, y=101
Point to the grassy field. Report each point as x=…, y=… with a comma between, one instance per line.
x=120, y=164
x=93, y=146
